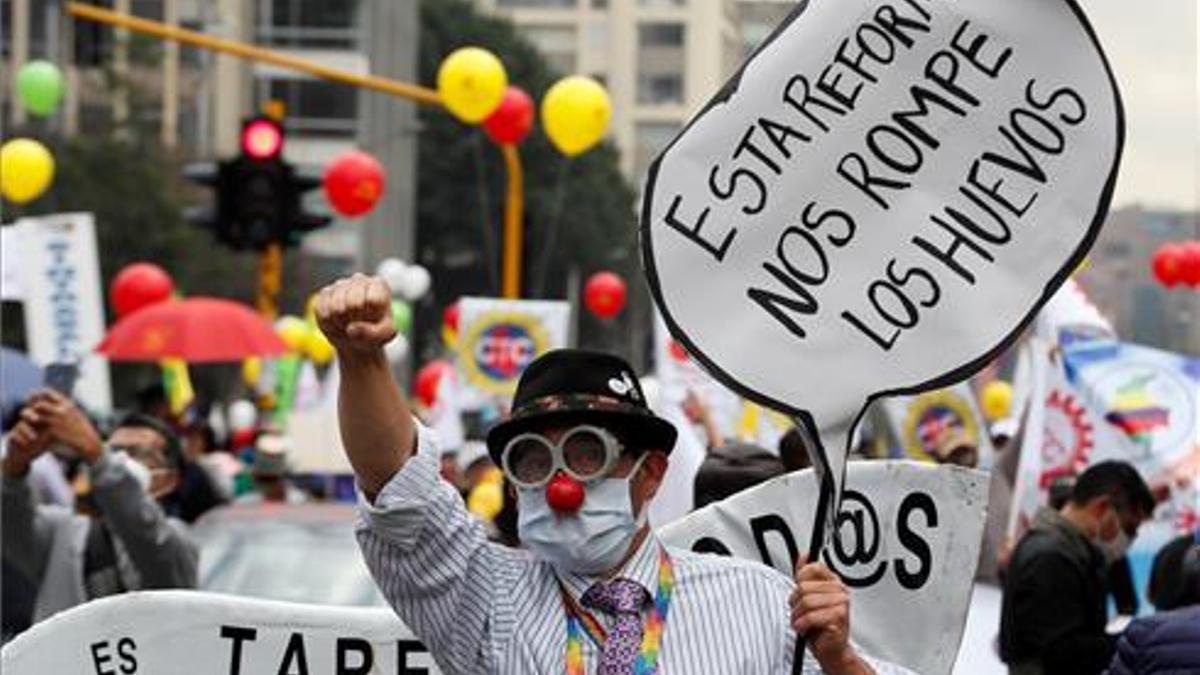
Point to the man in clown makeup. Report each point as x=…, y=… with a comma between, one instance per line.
x=593, y=590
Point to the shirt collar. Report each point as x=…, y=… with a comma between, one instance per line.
x=642, y=568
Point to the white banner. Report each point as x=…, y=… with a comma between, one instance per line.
x=497, y=339
x=192, y=633
x=906, y=542
x=64, y=310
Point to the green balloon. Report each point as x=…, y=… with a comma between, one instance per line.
x=40, y=86
x=401, y=316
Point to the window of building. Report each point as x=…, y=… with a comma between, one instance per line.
x=556, y=43
x=308, y=23
x=314, y=107
x=662, y=3
x=661, y=63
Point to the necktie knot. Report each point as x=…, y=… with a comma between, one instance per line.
x=617, y=597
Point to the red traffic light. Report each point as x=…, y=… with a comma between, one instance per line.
x=262, y=138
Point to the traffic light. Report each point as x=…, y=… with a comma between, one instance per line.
x=259, y=194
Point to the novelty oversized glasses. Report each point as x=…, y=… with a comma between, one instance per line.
x=584, y=453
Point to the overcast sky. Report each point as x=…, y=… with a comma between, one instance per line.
x=1152, y=45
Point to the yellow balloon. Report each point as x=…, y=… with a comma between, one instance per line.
x=486, y=500
x=996, y=400
x=471, y=82
x=251, y=370
x=319, y=348
x=293, y=331
x=575, y=114
x=26, y=170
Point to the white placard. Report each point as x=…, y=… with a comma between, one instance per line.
x=907, y=543
x=64, y=310
x=194, y=633
x=882, y=197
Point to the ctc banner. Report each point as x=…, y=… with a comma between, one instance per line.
x=59, y=276
x=919, y=422
x=192, y=633
x=906, y=539
x=499, y=338
x=1099, y=400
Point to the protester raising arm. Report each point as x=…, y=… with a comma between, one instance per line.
x=159, y=547
x=430, y=558
x=377, y=427
x=26, y=542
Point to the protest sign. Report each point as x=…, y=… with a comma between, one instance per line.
x=907, y=536
x=191, y=633
x=918, y=422
x=879, y=201
x=64, y=310
x=499, y=338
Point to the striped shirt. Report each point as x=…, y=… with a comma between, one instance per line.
x=484, y=608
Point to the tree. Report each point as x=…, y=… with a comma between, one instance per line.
x=461, y=184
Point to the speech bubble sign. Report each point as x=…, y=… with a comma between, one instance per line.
x=883, y=197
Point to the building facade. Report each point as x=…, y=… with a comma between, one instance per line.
x=1119, y=279
x=661, y=60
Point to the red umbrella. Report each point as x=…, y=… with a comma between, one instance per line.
x=197, y=330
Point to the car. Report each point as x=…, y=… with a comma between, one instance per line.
x=297, y=553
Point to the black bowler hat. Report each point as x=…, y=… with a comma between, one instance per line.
x=580, y=386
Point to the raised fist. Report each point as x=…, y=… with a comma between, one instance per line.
x=356, y=314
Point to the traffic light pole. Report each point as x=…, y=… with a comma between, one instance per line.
x=412, y=92
x=270, y=280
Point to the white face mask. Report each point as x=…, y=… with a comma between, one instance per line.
x=590, y=541
x=1114, y=549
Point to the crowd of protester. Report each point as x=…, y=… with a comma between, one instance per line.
x=92, y=509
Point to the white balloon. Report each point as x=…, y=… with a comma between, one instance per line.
x=397, y=349
x=416, y=283
x=394, y=272
x=242, y=415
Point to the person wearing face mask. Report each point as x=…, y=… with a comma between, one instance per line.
x=118, y=538
x=1054, y=612
x=592, y=590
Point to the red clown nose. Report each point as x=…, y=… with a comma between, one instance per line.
x=564, y=494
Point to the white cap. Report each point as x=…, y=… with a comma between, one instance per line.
x=469, y=452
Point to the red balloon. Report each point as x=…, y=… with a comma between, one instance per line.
x=450, y=316
x=139, y=285
x=354, y=183
x=564, y=494
x=429, y=377
x=242, y=438
x=1189, y=263
x=605, y=294
x=1168, y=264
x=511, y=122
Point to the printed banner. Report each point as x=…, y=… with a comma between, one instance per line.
x=192, y=633
x=64, y=310
x=918, y=422
x=497, y=339
x=906, y=541
x=1101, y=400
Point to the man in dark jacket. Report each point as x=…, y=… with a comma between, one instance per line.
x=1167, y=643
x=1053, y=614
